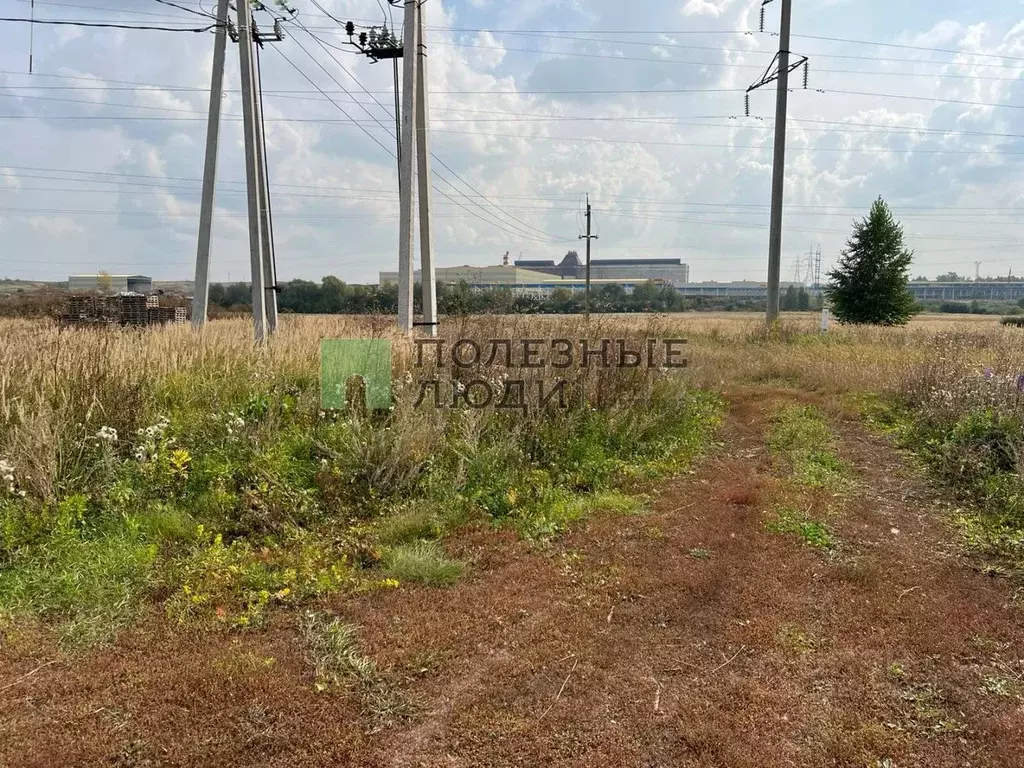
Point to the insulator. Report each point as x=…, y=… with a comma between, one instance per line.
x=762, y=18
x=807, y=73
x=362, y=39
x=350, y=28
x=746, y=104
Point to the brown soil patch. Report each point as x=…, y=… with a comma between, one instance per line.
x=686, y=637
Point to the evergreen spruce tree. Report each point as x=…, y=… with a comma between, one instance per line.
x=789, y=299
x=869, y=286
x=803, y=300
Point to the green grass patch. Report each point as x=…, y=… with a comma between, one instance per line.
x=92, y=587
x=811, y=532
x=423, y=562
x=332, y=649
x=801, y=437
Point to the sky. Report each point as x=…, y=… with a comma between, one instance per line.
x=533, y=105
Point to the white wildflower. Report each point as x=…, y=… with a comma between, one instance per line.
x=107, y=434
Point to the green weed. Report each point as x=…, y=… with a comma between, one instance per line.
x=423, y=562
x=92, y=586
x=811, y=532
x=795, y=640
x=333, y=651
x=801, y=437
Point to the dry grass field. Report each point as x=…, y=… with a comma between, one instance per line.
x=800, y=549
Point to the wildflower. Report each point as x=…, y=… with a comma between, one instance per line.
x=1020, y=382
x=107, y=434
x=7, y=471
x=988, y=374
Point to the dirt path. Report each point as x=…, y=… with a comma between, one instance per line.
x=690, y=636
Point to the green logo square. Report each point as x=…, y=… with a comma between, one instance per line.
x=370, y=359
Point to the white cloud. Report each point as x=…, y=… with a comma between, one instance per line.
x=680, y=174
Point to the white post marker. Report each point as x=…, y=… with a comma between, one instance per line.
x=824, y=320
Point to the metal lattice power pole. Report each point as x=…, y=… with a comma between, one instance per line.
x=201, y=290
x=427, y=276
x=252, y=175
x=781, y=75
x=405, y=177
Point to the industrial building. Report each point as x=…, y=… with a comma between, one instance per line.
x=968, y=290
x=111, y=284
x=671, y=271
x=522, y=282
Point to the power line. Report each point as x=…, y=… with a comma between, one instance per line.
x=587, y=35
x=387, y=130
x=516, y=116
x=978, y=215
x=515, y=223
x=566, y=197
x=107, y=25
x=187, y=10
x=726, y=65
x=99, y=8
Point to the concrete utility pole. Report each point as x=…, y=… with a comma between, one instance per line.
x=588, y=237
x=780, y=73
x=266, y=237
x=429, y=286
x=405, y=192
x=201, y=291
x=252, y=174
x=779, y=165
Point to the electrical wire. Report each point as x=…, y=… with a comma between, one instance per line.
x=187, y=10
x=568, y=197
x=107, y=25
x=105, y=8
x=374, y=138
x=518, y=224
x=515, y=224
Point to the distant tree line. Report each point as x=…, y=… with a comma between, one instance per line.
x=798, y=300
x=333, y=296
